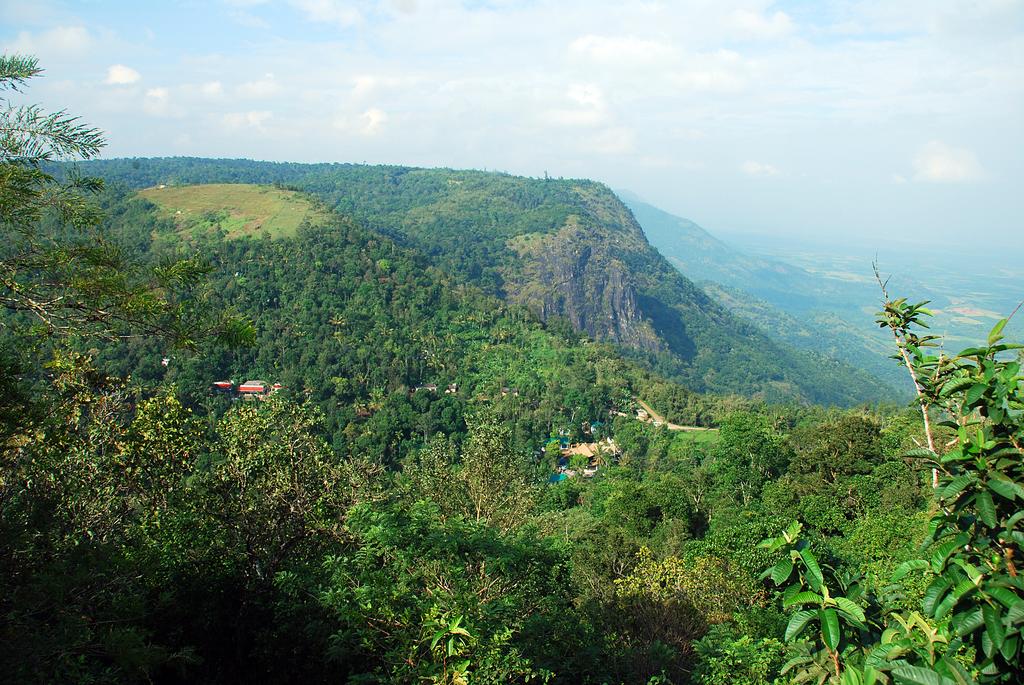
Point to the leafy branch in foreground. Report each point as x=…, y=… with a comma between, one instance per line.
x=828, y=620
x=969, y=627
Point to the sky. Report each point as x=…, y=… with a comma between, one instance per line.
x=885, y=121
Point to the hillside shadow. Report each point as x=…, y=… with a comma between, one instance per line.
x=669, y=325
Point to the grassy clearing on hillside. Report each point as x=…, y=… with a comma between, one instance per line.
x=237, y=209
x=701, y=438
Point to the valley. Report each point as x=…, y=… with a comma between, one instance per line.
x=329, y=422
x=821, y=297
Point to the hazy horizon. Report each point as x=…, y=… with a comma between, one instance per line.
x=843, y=122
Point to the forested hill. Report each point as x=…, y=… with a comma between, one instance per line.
x=564, y=249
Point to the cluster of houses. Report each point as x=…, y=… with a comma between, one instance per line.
x=642, y=415
x=451, y=389
x=584, y=458
x=250, y=390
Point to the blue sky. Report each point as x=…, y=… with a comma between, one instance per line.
x=874, y=121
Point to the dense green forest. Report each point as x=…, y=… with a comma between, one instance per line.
x=562, y=249
x=363, y=525
x=351, y=321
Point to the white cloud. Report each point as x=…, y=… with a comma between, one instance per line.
x=575, y=117
x=368, y=123
x=368, y=85
x=120, y=75
x=941, y=163
x=157, y=102
x=249, y=20
x=722, y=71
x=587, y=95
x=329, y=12
x=587, y=107
x=752, y=168
x=212, y=89
x=612, y=141
x=404, y=6
x=756, y=25
x=26, y=13
x=256, y=119
x=61, y=40
x=373, y=119
x=364, y=85
x=687, y=134
x=263, y=88
x=617, y=50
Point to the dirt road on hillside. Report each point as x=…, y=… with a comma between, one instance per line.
x=655, y=416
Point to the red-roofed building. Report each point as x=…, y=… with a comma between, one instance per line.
x=253, y=388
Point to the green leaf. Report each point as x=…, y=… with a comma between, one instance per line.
x=794, y=662
x=967, y=622
x=814, y=576
x=943, y=551
x=995, y=335
x=830, y=632
x=797, y=622
x=934, y=594
x=1009, y=648
x=790, y=591
x=962, y=588
x=915, y=675
x=876, y=658
x=972, y=571
x=1003, y=486
x=959, y=673
x=986, y=508
x=907, y=566
x=1005, y=596
x=851, y=676
x=976, y=391
x=1011, y=452
x=956, y=485
x=802, y=598
x=851, y=608
x=987, y=647
x=993, y=625
x=780, y=572
x=954, y=385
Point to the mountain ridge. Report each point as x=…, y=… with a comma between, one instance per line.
x=564, y=249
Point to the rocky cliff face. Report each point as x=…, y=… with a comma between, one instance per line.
x=576, y=273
